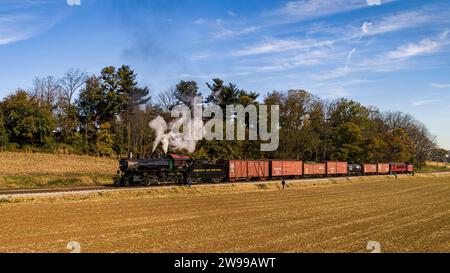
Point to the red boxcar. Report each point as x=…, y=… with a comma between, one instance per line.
x=336, y=168
x=410, y=168
x=370, y=168
x=284, y=168
x=383, y=168
x=398, y=167
x=247, y=170
x=311, y=169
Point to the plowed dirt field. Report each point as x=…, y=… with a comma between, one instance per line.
x=403, y=215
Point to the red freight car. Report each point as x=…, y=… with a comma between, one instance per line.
x=382, y=168
x=398, y=167
x=247, y=170
x=370, y=168
x=336, y=168
x=281, y=168
x=410, y=168
x=314, y=169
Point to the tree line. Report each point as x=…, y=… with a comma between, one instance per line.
x=107, y=114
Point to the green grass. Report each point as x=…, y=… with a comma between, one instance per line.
x=64, y=182
x=41, y=181
x=430, y=169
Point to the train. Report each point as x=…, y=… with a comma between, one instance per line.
x=181, y=169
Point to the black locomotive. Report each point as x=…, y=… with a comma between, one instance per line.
x=170, y=169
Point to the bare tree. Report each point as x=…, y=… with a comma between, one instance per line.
x=72, y=81
x=396, y=120
x=46, y=89
x=167, y=99
x=424, y=143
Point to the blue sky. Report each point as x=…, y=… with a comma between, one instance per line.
x=393, y=54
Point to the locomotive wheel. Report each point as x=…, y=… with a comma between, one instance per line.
x=125, y=181
x=117, y=181
x=151, y=180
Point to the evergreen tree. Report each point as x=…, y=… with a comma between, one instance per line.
x=186, y=91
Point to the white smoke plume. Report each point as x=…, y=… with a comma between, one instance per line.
x=171, y=135
x=188, y=126
x=159, y=125
x=171, y=138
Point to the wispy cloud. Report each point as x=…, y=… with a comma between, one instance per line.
x=202, y=56
x=303, y=10
x=17, y=27
x=334, y=92
x=388, y=61
x=231, y=13
x=338, y=88
x=22, y=21
x=423, y=102
x=349, y=58
x=398, y=58
x=345, y=34
x=425, y=46
x=440, y=85
x=224, y=32
x=288, y=61
x=399, y=21
x=332, y=74
x=280, y=45
x=199, y=21
x=385, y=24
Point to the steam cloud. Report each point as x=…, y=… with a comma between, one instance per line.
x=171, y=139
x=189, y=128
x=172, y=136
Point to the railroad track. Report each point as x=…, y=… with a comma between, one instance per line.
x=88, y=189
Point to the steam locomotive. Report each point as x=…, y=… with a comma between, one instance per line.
x=169, y=169
x=179, y=169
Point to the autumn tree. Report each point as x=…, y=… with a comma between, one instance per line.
x=108, y=114
x=3, y=132
x=301, y=118
x=26, y=120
